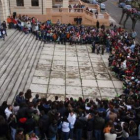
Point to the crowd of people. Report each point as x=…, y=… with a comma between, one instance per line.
x=118, y=119
x=80, y=7
x=125, y=62
x=60, y=33
x=37, y=118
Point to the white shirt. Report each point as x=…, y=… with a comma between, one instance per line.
x=3, y=32
x=72, y=120
x=124, y=64
x=7, y=113
x=109, y=136
x=22, y=23
x=65, y=127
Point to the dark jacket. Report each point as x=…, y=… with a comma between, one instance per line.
x=99, y=123
x=52, y=131
x=22, y=112
x=19, y=99
x=29, y=125
x=62, y=111
x=90, y=125
x=79, y=124
x=2, y=113
x=4, y=25
x=4, y=131
x=44, y=123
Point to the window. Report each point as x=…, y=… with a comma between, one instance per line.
x=35, y=3
x=20, y=2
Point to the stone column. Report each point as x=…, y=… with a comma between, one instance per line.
x=65, y=3
x=4, y=9
x=49, y=9
x=1, y=12
x=48, y=3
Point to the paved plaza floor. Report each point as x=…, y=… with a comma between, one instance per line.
x=53, y=69
x=73, y=71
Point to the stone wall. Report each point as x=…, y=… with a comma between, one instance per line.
x=45, y=11
x=68, y=17
x=4, y=9
x=28, y=8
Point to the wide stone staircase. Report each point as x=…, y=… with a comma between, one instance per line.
x=19, y=55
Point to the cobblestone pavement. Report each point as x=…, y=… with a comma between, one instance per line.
x=73, y=71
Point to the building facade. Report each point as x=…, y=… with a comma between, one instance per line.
x=4, y=9
x=35, y=7
x=53, y=10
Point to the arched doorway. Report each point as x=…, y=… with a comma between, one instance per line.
x=1, y=12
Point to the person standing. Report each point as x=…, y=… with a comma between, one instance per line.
x=65, y=129
x=12, y=121
x=70, y=7
x=8, y=111
x=134, y=34
x=98, y=125
x=93, y=47
x=4, y=27
x=79, y=125
x=2, y=33
x=9, y=21
x=97, y=24
x=90, y=127
x=58, y=22
x=71, y=119
x=96, y=14
x=98, y=49
x=4, y=130
x=102, y=49
x=53, y=130
x=111, y=135
x=20, y=98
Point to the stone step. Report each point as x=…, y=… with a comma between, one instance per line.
x=26, y=65
x=29, y=80
x=13, y=63
x=7, y=48
x=9, y=60
x=25, y=75
x=9, y=53
x=8, y=38
x=19, y=71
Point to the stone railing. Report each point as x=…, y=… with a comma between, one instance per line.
x=70, y=2
x=91, y=6
x=79, y=12
x=66, y=16
x=60, y=10
x=106, y=15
